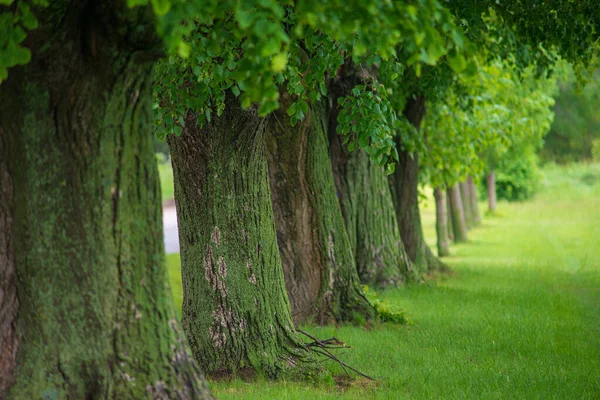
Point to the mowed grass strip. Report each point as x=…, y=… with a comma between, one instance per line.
x=520, y=318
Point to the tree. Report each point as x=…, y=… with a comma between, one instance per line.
x=441, y=222
x=364, y=196
x=457, y=214
x=319, y=265
x=85, y=307
x=235, y=310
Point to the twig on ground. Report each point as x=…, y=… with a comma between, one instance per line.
x=323, y=346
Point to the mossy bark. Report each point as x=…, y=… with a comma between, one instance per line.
x=491, y=190
x=319, y=265
x=85, y=308
x=441, y=222
x=474, y=198
x=236, y=312
x=457, y=214
x=364, y=196
x=465, y=197
x=404, y=184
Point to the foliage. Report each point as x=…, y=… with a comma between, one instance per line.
x=385, y=311
x=483, y=119
x=16, y=18
x=577, y=123
x=517, y=176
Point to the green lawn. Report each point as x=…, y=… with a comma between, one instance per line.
x=520, y=318
x=165, y=173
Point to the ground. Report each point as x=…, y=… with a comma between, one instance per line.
x=520, y=317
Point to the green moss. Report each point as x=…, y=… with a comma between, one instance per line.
x=235, y=308
x=95, y=316
x=319, y=263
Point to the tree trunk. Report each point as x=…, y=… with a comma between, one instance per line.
x=366, y=202
x=85, y=308
x=474, y=201
x=449, y=217
x=441, y=222
x=319, y=266
x=236, y=312
x=465, y=197
x=404, y=184
x=457, y=214
x=491, y=189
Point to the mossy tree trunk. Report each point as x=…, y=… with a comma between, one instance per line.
x=366, y=202
x=474, y=198
x=236, y=312
x=491, y=190
x=319, y=266
x=404, y=184
x=457, y=214
x=441, y=222
x=85, y=308
x=465, y=197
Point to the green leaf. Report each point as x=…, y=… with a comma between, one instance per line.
x=291, y=110
x=161, y=7
x=183, y=49
x=457, y=62
x=279, y=62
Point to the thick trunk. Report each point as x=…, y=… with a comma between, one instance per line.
x=457, y=214
x=371, y=223
x=320, y=270
x=366, y=201
x=236, y=312
x=449, y=217
x=404, y=184
x=441, y=222
x=85, y=308
x=465, y=197
x=474, y=201
x=491, y=190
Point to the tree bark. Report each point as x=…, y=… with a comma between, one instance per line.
x=366, y=201
x=85, y=308
x=457, y=214
x=449, y=217
x=491, y=189
x=465, y=197
x=320, y=270
x=404, y=188
x=474, y=201
x=441, y=222
x=236, y=312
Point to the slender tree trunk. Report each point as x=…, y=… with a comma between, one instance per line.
x=474, y=201
x=366, y=201
x=236, y=312
x=319, y=266
x=85, y=308
x=491, y=189
x=449, y=216
x=465, y=197
x=457, y=214
x=441, y=222
x=404, y=188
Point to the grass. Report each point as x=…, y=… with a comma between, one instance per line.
x=520, y=318
x=165, y=173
